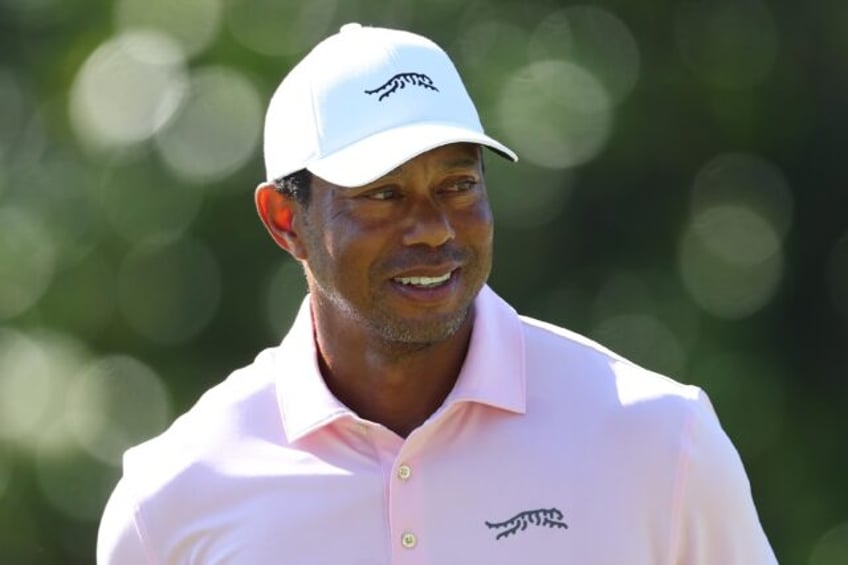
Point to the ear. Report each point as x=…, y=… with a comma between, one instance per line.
x=277, y=213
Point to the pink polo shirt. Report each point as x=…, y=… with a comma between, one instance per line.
x=550, y=449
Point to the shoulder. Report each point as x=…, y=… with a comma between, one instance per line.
x=570, y=378
x=171, y=481
x=574, y=382
x=664, y=433
x=648, y=421
x=558, y=353
x=237, y=410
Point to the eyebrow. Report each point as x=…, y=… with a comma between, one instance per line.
x=461, y=162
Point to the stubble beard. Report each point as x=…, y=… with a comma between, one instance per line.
x=418, y=334
x=395, y=332
x=403, y=332
x=398, y=332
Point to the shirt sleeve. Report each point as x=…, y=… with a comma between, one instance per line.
x=119, y=539
x=717, y=521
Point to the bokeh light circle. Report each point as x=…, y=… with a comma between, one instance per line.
x=745, y=180
x=832, y=547
x=27, y=261
x=555, y=114
x=272, y=27
x=35, y=368
x=141, y=205
x=194, y=24
x=216, y=130
x=127, y=89
x=644, y=339
x=593, y=38
x=736, y=233
x=480, y=44
x=75, y=484
x=168, y=292
x=65, y=355
x=25, y=385
x=114, y=403
x=643, y=316
x=727, y=44
x=731, y=261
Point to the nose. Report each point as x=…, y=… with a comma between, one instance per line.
x=428, y=224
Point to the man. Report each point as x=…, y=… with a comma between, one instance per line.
x=410, y=415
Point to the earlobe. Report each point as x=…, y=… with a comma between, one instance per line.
x=277, y=213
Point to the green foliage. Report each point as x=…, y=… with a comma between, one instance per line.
x=681, y=198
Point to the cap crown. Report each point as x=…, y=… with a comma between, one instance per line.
x=358, y=84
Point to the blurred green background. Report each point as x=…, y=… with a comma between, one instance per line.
x=681, y=198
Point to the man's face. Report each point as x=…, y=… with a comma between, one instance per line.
x=405, y=255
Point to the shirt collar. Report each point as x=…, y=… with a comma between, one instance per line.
x=306, y=403
x=492, y=374
x=493, y=371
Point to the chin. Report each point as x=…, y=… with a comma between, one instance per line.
x=421, y=332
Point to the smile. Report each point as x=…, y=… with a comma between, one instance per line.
x=424, y=282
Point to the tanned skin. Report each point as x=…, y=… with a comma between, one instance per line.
x=391, y=344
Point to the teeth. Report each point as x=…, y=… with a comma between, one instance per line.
x=423, y=281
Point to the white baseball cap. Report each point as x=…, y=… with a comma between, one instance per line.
x=363, y=102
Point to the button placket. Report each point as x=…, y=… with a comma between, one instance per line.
x=406, y=504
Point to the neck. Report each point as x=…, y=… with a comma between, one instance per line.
x=398, y=385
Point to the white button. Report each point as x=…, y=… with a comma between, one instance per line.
x=350, y=27
x=404, y=472
x=408, y=540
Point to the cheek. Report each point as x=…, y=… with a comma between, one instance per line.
x=353, y=250
x=480, y=225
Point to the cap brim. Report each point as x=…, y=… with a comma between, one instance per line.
x=369, y=159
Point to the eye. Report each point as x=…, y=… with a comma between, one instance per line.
x=461, y=185
x=382, y=193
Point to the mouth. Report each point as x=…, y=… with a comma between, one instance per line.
x=424, y=281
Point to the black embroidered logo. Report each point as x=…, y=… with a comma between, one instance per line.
x=551, y=518
x=400, y=81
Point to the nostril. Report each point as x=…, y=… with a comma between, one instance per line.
x=429, y=225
